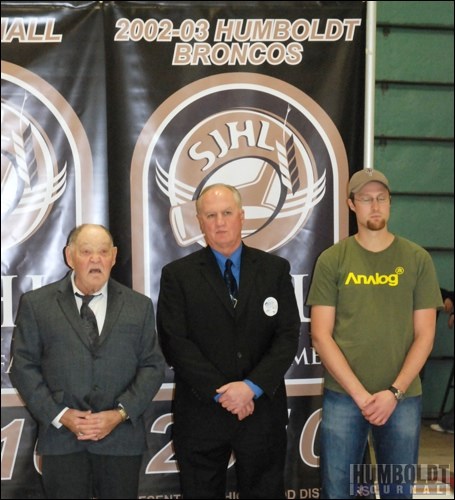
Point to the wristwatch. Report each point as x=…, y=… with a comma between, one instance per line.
x=123, y=413
x=399, y=395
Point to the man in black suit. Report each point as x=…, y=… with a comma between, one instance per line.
x=230, y=346
x=88, y=394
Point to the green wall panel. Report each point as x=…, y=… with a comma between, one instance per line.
x=414, y=55
x=443, y=342
x=415, y=45
x=422, y=13
x=414, y=111
x=416, y=167
x=436, y=374
x=443, y=262
x=437, y=371
x=426, y=220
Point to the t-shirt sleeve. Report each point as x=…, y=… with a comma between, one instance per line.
x=427, y=293
x=323, y=289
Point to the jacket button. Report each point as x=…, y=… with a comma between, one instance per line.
x=239, y=355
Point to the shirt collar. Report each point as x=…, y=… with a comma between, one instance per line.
x=102, y=291
x=235, y=257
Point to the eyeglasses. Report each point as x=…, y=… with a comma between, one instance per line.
x=369, y=200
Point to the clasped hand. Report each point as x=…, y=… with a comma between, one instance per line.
x=378, y=407
x=237, y=398
x=88, y=426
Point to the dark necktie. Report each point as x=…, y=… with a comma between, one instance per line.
x=231, y=283
x=89, y=319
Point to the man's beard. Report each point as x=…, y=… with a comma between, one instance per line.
x=376, y=225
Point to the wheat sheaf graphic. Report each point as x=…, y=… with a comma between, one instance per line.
x=34, y=194
x=286, y=159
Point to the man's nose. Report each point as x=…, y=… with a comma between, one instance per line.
x=374, y=202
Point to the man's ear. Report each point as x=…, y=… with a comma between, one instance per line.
x=68, y=257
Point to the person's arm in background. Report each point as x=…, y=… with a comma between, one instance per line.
x=447, y=297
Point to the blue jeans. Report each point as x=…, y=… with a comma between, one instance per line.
x=344, y=435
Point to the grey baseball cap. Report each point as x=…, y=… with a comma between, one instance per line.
x=362, y=177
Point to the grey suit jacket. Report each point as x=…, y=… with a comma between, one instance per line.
x=209, y=343
x=55, y=367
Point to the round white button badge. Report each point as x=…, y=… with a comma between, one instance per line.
x=270, y=306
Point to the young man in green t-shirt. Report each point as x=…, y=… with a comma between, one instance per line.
x=374, y=297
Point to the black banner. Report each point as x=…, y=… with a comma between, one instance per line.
x=121, y=112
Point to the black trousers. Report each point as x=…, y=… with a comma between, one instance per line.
x=260, y=456
x=85, y=475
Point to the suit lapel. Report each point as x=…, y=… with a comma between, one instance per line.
x=248, y=270
x=211, y=272
x=67, y=303
x=114, y=306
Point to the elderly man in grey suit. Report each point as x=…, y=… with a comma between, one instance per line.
x=87, y=363
x=230, y=342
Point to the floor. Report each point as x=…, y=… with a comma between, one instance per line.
x=437, y=448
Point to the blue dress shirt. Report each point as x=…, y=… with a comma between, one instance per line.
x=236, y=258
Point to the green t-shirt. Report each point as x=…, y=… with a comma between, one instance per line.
x=375, y=294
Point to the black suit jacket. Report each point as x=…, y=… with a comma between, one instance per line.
x=55, y=367
x=209, y=343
